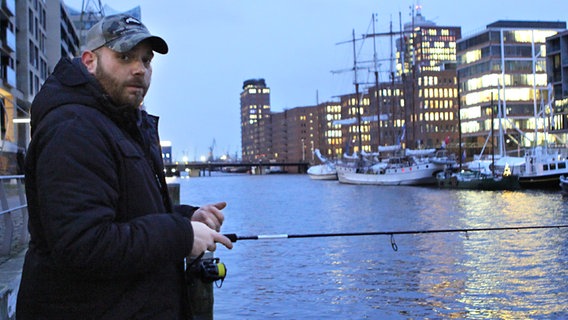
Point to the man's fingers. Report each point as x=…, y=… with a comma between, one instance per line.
x=215, y=225
x=217, y=214
x=223, y=240
x=220, y=205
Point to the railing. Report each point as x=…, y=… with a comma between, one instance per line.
x=14, y=215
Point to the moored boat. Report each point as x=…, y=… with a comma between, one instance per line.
x=543, y=167
x=322, y=172
x=398, y=170
x=477, y=180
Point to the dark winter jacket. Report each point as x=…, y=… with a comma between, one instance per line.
x=105, y=243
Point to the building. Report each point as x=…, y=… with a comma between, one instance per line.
x=35, y=21
x=255, y=121
x=290, y=136
x=426, y=59
x=9, y=93
x=330, y=142
x=388, y=104
x=557, y=70
x=302, y=133
x=436, y=118
x=425, y=46
x=355, y=123
x=502, y=70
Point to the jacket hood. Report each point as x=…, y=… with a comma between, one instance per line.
x=71, y=83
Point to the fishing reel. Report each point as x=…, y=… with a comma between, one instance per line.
x=208, y=270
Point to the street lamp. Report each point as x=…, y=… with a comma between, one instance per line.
x=312, y=142
x=303, y=151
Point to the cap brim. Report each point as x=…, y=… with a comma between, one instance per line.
x=159, y=45
x=120, y=45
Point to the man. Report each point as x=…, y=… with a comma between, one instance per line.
x=106, y=242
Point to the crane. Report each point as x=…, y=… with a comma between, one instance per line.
x=211, y=148
x=91, y=12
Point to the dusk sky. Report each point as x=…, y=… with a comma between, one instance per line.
x=295, y=45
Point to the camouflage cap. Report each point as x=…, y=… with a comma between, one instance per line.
x=121, y=33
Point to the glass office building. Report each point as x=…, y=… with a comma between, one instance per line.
x=504, y=66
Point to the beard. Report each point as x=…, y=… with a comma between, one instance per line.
x=119, y=90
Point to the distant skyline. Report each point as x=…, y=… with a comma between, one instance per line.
x=293, y=44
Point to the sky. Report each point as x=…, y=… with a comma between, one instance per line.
x=302, y=48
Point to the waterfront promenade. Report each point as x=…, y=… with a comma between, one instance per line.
x=10, y=274
x=13, y=241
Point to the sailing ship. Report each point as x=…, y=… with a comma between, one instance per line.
x=411, y=167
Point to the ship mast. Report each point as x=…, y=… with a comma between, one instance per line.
x=360, y=143
x=378, y=95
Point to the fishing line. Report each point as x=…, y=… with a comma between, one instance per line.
x=234, y=237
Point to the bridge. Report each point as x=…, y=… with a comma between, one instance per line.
x=260, y=167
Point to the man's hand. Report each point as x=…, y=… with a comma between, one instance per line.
x=205, y=238
x=210, y=215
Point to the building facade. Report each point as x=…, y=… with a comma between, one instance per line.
x=256, y=141
x=425, y=46
x=557, y=70
x=36, y=19
x=502, y=71
x=9, y=93
x=426, y=67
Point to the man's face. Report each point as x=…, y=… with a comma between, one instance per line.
x=125, y=76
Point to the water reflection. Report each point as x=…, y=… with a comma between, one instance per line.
x=479, y=275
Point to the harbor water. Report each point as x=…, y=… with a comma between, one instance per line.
x=509, y=274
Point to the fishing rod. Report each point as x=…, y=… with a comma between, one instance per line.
x=234, y=237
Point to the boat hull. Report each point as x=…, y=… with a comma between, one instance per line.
x=425, y=175
x=322, y=172
x=550, y=181
x=330, y=176
x=477, y=182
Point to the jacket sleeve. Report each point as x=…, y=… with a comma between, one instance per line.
x=78, y=200
x=185, y=210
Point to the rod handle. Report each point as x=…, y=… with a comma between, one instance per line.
x=232, y=236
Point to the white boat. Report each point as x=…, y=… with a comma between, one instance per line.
x=543, y=167
x=398, y=170
x=322, y=172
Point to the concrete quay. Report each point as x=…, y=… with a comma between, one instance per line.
x=10, y=275
x=13, y=221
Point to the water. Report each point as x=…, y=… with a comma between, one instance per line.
x=516, y=274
